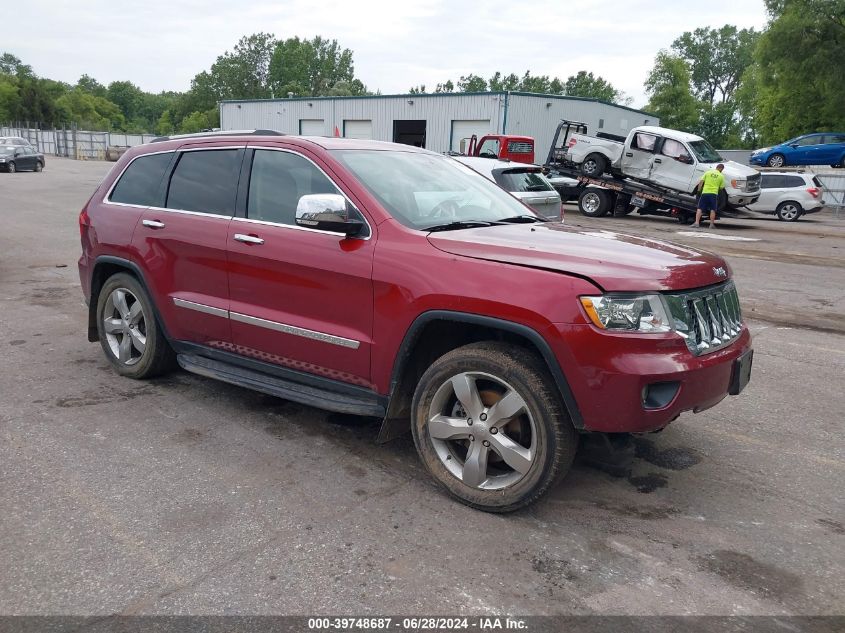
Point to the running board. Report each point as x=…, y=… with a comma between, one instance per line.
x=286, y=389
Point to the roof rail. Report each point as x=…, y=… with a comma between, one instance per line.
x=159, y=139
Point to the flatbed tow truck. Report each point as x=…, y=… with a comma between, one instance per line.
x=600, y=195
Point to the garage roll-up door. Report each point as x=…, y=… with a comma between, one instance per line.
x=358, y=128
x=466, y=128
x=312, y=127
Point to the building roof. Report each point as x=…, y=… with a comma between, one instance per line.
x=446, y=94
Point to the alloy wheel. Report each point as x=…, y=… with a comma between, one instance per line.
x=125, y=326
x=482, y=430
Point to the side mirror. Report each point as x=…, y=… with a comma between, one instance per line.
x=18, y=152
x=794, y=145
x=684, y=159
x=327, y=212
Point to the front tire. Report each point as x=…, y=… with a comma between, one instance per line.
x=489, y=426
x=11, y=167
x=788, y=211
x=776, y=160
x=594, y=165
x=129, y=332
x=39, y=166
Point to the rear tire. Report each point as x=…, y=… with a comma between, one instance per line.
x=129, y=331
x=788, y=211
x=594, y=203
x=594, y=165
x=492, y=463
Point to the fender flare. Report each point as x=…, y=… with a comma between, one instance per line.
x=391, y=428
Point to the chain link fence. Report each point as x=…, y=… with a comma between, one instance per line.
x=77, y=144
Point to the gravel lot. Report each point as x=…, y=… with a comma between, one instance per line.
x=187, y=496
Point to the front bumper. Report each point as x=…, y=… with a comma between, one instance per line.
x=626, y=383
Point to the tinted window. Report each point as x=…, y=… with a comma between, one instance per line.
x=205, y=181
x=793, y=181
x=808, y=140
x=645, y=142
x=278, y=181
x=834, y=138
x=140, y=182
x=523, y=180
x=771, y=181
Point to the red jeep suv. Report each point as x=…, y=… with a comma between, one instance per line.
x=383, y=280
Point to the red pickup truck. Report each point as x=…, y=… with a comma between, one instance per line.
x=519, y=149
x=384, y=280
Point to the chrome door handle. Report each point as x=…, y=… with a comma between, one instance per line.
x=629, y=153
x=248, y=239
x=153, y=224
x=657, y=160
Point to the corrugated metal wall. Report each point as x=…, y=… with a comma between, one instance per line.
x=526, y=115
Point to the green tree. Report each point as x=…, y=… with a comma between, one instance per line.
x=127, y=96
x=448, y=86
x=585, y=84
x=801, y=74
x=91, y=86
x=472, y=83
x=313, y=68
x=195, y=122
x=670, y=96
x=417, y=90
x=717, y=59
x=498, y=83
x=540, y=84
x=11, y=65
x=10, y=100
x=89, y=111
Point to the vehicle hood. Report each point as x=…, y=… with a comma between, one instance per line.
x=613, y=261
x=733, y=169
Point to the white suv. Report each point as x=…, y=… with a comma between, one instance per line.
x=789, y=195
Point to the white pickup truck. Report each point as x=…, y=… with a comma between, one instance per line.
x=663, y=157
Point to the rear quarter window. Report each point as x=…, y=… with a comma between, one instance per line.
x=139, y=184
x=522, y=181
x=793, y=181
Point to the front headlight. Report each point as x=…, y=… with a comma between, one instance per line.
x=644, y=313
x=738, y=183
x=2, y=160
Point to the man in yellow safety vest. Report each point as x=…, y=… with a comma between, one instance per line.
x=711, y=183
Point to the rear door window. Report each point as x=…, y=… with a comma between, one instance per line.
x=522, y=180
x=139, y=184
x=771, y=181
x=205, y=181
x=793, y=181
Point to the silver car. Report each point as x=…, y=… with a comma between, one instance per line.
x=522, y=181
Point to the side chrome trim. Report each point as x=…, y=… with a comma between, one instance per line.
x=270, y=325
x=295, y=331
x=201, y=307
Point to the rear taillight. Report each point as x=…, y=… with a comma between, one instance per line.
x=814, y=191
x=84, y=222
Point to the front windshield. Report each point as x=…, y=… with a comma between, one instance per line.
x=424, y=190
x=523, y=180
x=7, y=149
x=704, y=153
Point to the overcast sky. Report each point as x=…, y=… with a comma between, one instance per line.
x=396, y=44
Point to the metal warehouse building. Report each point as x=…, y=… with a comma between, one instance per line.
x=435, y=121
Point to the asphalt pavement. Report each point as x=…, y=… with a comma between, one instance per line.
x=183, y=495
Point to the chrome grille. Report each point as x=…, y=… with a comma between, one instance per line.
x=707, y=319
x=752, y=185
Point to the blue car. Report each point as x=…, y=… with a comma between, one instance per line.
x=820, y=148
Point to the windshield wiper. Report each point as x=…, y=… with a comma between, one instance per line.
x=524, y=219
x=459, y=224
